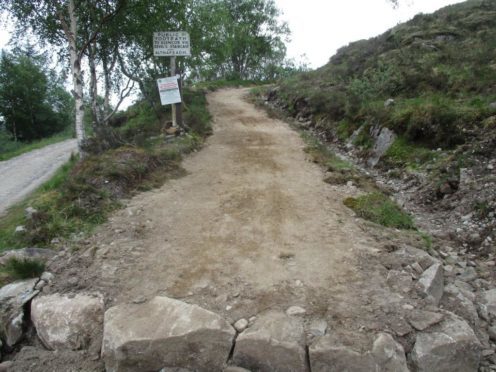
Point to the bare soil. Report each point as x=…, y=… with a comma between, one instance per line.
x=251, y=227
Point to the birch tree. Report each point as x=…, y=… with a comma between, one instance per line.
x=58, y=23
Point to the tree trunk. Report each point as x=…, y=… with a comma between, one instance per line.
x=108, y=83
x=95, y=114
x=77, y=78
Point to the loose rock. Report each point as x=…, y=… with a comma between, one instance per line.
x=64, y=322
x=295, y=310
x=431, y=283
x=165, y=332
x=318, y=327
x=275, y=342
x=492, y=332
x=488, y=302
x=421, y=320
x=241, y=325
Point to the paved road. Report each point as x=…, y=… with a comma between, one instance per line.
x=23, y=174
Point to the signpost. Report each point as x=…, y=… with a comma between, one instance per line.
x=172, y=44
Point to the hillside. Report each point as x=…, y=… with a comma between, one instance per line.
x=417, y=104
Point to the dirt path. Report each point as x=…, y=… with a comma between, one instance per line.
x=251, y=227
x=23, y=174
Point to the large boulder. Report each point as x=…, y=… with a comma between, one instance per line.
x=69, y=322
x=13, y=298
x=165, y=333
x=431, y=283
x=275, y=342
x=451, y=346
x=330, y=354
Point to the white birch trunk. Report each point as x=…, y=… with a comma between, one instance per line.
x=77, y=78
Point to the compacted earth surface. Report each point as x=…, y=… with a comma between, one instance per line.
x=251, y=228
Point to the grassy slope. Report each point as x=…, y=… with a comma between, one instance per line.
x=440, y=69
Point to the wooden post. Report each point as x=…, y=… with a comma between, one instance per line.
x=177, y=113
x=173, y=73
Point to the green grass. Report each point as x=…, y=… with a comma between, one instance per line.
x=45, y=195
x=378, y=208
x=405, y=154
x=17, y=269
x=10, y=149
x=323, y=155
x=427, y=240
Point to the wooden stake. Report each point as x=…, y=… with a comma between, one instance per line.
x=177, y=113
x=173, y=73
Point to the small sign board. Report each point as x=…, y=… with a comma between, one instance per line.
x=171, y=44
x=168, y=89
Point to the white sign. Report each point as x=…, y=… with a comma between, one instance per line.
x=171, y=44
x=169, y=90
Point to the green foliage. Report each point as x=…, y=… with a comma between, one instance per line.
x=439, y=68
x=237, y=40
x=33, y=103
x=378, y=208
x=196, y=114
x=403, y=153
x=427, y=240
x=482, y=208
x=18, y=269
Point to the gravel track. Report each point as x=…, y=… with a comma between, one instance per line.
x=23, y=174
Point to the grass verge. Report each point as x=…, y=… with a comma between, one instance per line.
x=378, y=208
x=10, y=149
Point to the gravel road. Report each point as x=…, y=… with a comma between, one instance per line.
x=23, y=174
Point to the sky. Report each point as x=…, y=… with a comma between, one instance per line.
x=320, y=27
